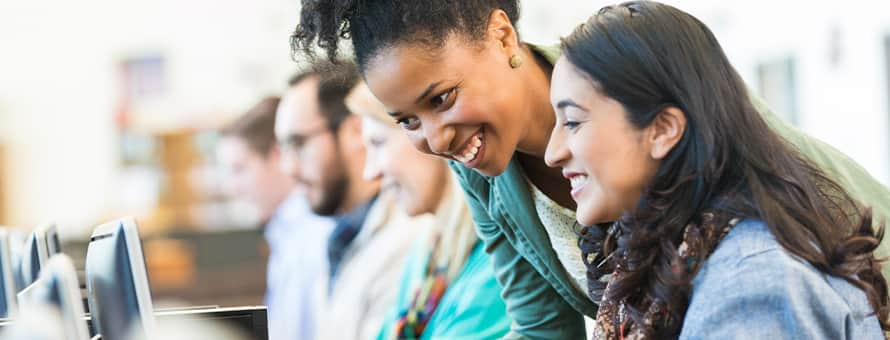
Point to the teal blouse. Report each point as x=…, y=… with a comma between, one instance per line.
x=471, y=308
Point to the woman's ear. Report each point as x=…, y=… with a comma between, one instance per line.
x=666, y=131
x=501, y=29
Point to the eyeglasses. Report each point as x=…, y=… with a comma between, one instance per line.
x=295, y=143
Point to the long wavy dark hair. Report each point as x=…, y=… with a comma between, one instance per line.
x=647, y=55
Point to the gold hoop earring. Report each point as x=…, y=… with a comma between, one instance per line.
x=515, y=61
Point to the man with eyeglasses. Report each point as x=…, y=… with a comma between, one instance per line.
x=323, y=151
x=296, y=236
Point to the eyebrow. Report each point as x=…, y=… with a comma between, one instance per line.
x=562, y=104
x=427, y=92
x=289, y=138
x=429, y=89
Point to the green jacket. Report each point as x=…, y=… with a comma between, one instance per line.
x=537, y=290
x=471, y=308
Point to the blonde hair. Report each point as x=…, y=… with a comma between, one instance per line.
x=362, y=102
x=454, y=237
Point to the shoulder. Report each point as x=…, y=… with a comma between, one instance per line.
x=753, y=260
x=469, y=179
x=748, y=240
x=476, y=284
x=751, y=279
x=472, y=307
x=551, y=52
x=295, y=211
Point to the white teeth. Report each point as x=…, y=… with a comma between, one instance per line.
x=578, y=181
x=470, y=152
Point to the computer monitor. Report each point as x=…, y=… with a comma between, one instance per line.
x=119, y=296
x=8, y=289
x=42, y=244
x=34, y=255
x=49, y=234
x=57, y=287
x=16, y=249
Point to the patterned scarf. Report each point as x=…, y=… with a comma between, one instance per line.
x=613, y=321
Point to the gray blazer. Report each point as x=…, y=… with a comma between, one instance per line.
x=752, y=288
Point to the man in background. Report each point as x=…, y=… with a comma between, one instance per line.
x=296, y=236
x=323, y=150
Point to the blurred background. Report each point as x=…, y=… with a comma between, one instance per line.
x=110, y=108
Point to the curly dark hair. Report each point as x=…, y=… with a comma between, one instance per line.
x=373, y=25
x=648, y=55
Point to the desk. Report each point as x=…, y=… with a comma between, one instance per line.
x=251, y=320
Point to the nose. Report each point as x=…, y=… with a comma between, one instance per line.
x=289, y=165
x=439, y=136
x=557, y=153
x=372, y=170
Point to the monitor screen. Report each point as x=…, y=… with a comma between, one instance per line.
x=119, y=297
x=8, y=305
x=33, y=256
x=16, y=252
x=49, y=235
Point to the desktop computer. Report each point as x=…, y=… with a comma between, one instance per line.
x=42, y=244
x=117, y=284
x=119, y=297
x=8, y=289
x=57, y=288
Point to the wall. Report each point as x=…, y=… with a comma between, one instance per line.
x=838, y=46
x=59, y=80
x=59, y=87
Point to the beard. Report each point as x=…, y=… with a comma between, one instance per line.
x=331, y=197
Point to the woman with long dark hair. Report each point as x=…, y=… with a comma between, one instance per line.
x=724, y=230
x=463, y=86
